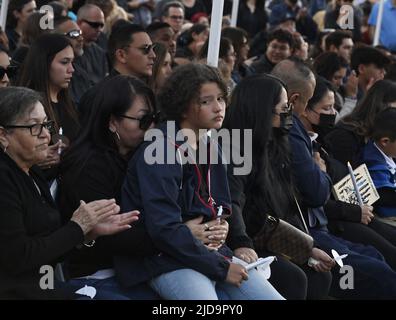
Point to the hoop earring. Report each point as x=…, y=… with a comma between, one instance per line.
x=116, y=133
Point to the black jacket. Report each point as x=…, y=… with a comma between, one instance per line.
x=98, y=175
x=263, y=65
x=344, y=144
x=31, y=234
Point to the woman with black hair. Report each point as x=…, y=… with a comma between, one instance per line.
x=18, y=13
x=352, y=222
x=260, y=103
x=333, y=68
x=48, y=69
x=94, y=168
x=190, y=43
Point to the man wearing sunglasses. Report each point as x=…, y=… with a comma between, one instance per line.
x=90, y=19
x=93, y=61
x=67, y=27
x=4, y=63
x=131, y=51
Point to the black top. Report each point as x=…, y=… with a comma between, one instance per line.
x=98, y=174
x=13, y=39
x=263, y=65
x=345, y=144
x=69, y=125
x=31, y=234
x=197, y=7
x=252, y=22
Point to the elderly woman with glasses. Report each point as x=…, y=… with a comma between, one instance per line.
x=31, y=232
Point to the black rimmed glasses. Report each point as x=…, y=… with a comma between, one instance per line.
x=94, y=25
x=145, y=121
x=35, y=129
x=73, y=34
x=145, y=49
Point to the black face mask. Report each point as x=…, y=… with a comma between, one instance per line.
x=326, y=124
x=286, y=123
x=327, y=120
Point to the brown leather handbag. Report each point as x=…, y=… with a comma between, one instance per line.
x=282, y=238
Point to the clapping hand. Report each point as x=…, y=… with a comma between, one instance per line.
x=114, y=224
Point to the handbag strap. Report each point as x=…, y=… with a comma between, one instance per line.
x=301, y=215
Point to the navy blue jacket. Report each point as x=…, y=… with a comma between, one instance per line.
x=382, y=177
x=313, y=184
x=167, y=195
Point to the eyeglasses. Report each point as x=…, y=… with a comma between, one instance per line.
x=146, y=49
x=145, y=121
x=73, y=34
x=176, y=17
x=35, y=129
x=93, y=24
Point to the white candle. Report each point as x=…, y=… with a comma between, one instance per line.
x=60, y=140
x=215, y=32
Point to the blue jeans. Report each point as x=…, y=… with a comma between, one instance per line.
x=109, y=289
x=373, y=277
x=188, y=284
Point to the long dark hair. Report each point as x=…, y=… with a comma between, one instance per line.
x=361, y=119
x=160, y=51
x=252, y=107
x=35, y=73
x=114, y=97
x=15, y=5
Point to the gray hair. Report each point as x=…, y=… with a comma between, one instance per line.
x=85, y=9
x=15, y=103
x=294, y=73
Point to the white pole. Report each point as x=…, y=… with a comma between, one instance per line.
x=215, y=32
x=379, y=22
x=3, y=14
x=234, y=13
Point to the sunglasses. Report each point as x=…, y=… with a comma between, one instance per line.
x=73, y=34
x=145, y=49
x=94, y=25
x=145, y=121
x=3, y=72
